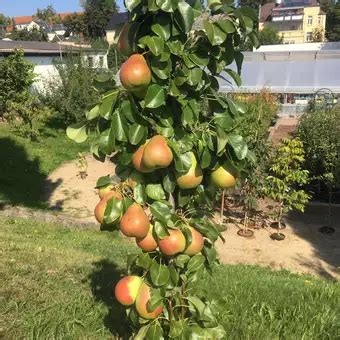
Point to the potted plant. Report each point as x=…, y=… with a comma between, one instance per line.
x=286, y=178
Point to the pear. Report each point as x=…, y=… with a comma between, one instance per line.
x=135, y=222
x=223, y=177
x=137, y=160
x=135, y=75
x=125, y=43
x=193, y=178
x=157, y=154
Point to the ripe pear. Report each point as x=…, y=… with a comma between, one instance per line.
x=193, y=178
x=99, y=211
x=196, y=244
x=103, y=191
x=126, y=290
x=137, y=160
x=173, y=243
x=223, y=177
x=135, y=75
x=135, y=222
x=125, y=43
x=157, y=154
x=142, y=299
x=148, y=243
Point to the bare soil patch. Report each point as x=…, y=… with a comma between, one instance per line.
x=304, y=250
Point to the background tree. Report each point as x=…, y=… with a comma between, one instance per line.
x=333, y=23
x=4, y=22
x=318, y=34
x=48, y=14
x=29, y=35
x=97, y=15
x=270, y=36
x=75, y=24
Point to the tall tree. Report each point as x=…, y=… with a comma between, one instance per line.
x=333, y=23
x=47, y=14
x=97, y=15
x=75, y=24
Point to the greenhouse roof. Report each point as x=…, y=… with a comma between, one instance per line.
x=287, y=72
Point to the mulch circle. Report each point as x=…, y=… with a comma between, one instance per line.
x=277, y=236
x=245, y=233
x=275, y=225
x=326, y=230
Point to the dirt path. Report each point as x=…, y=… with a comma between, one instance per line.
x=305, y=249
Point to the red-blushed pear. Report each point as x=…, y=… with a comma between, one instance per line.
x=196, y=244
x=125, y=41
x=135, y=75
x=103, y=191
x=173, y=243
x=157, y=153
x=99, y=211
x=223, y=177
x=137, y=160
x=143, y=296
x=135, y=222
x=193, y=178
x=126, y=290
x=148, y=243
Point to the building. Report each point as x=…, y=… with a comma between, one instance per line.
x=298, y=21
x=297, y=74
x=115, y=25
x=25, y=22
x=43, y=55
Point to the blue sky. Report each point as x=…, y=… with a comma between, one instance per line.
x=28, y=7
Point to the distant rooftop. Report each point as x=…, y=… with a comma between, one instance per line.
x=117, y=19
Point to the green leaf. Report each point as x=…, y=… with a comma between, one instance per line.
x=239, y=145
x=174, y=275
x=155, y=332
x=236, y=77
x=155, y=300
x=131, y=4
x=181, y=260
x=227, y=26
x=161, y=69
x=222, y=141
x=155, y=192
x=160, y=230
x=210, y=253
x=139, y=194
x=77, y=132
x=94, y=113
x=144, y=261
x=183, y=162
x=206, y=158
x=113, y=210
x=103, y=181
x=137, y=133
x=162, y=30
x=142, y=332
x=196, y=263
x=159, y=274
x=177, y=327
x=169, y=182
x=164, y=5
x=107, y=105
x=186, y=16
x=118, y=125
x=161, y=212
x=199, y=58
x=214, y=33
x=175, y=47
x=155, y=44
x=155, y=97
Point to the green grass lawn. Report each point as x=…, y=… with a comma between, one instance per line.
x=25, y=165
x=57, y=283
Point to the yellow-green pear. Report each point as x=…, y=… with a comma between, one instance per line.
x=193, y=178
x=223, y=177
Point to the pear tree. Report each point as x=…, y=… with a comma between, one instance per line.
x=173, y=140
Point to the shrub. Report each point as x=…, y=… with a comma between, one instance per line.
x=71, y=94
x=27, y=115
x=16, y=77
x=115, y=58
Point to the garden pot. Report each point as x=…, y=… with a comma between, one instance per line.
x=278, y=236
x=245, y=233
x=327, y=230
x=275, y=225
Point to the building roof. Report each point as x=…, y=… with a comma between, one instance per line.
x=37, y=47
x=117, y=19
x=288, y=72
x=266, y=11
x=23, y=20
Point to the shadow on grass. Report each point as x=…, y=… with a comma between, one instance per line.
x=21, y=179
x=104, y=277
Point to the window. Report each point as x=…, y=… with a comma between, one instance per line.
x=310, y=20
x=309, y=36
x=319, y=20
x=90, y=62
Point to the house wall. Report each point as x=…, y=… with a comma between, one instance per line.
x=112, y=37
x=29, y=26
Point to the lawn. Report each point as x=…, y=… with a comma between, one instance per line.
x=57, y=283
x=25, y=165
